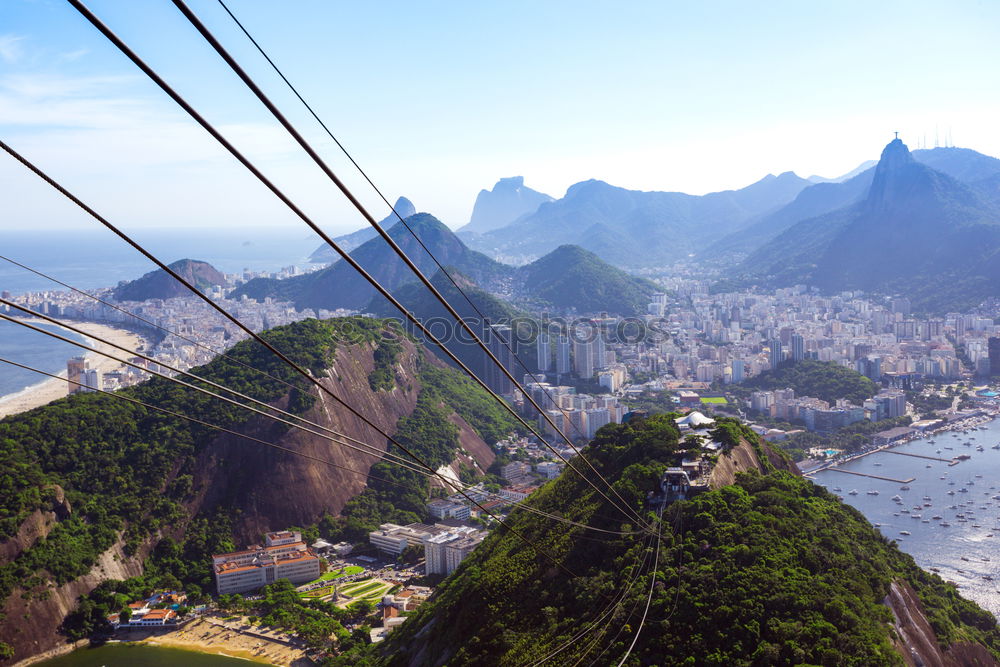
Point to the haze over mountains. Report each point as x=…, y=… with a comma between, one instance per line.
x=568, y=278
x=634, y=228
x=915, y=231
x=340, y=286
x=506, y=202
x=324, y=254
x=780, y=230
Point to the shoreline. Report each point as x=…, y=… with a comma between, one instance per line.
x=208, y=634
x=51, y=389
x=977, y=421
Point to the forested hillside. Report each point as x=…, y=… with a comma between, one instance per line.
x=772, y=570
x=808, y=377
x=92, y=479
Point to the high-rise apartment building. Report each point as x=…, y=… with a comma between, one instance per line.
x=583, y=358
x=544, y=352
x=798, y=344
x=563, y=347
x=501, y=343
x=777, y=356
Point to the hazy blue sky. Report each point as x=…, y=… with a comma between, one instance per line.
x=440, y=99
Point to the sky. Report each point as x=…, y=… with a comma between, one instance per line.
x=437, y=100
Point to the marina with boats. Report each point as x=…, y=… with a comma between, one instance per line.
x=945, y=515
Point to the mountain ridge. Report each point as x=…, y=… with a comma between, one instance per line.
x=509, y=200
x=159, y=284
x=917, y=231
x=650, y=227
x=324, y=254
x=142, y=493
x=764, y=568
x=340, y=286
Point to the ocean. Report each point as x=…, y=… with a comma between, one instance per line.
x=965, y=552
x=33, y=349
x=96, y=258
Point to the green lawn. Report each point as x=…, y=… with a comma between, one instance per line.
x=343, y=572
x=318, y=592
x=337, y=574
x=362, y=588
x=718, y=399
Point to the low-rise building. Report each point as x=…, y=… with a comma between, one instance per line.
x=440, y=508
x=392, y=539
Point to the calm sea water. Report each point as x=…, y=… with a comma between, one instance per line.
x=33, y=349
x=96, y=258
x=125, y=655
x=963, y=552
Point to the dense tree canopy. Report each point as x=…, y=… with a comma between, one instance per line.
x=822, y=379
x=771, y=570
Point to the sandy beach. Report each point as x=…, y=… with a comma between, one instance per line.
x=231, y=638
x=50, y=389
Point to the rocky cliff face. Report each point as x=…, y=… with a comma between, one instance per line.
x=36, y=526
x=31, y=618
x=506, y=202
x=266, y=489
x=743, y=458
x=274, y=490
x=915, y=640
x=159, y=285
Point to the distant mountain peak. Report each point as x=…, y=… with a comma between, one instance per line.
x=159, y=284
x=506, y=202
x=897, y=176
x=894, y=155
x=324, y=254
x=509, y=183
x=403, y=207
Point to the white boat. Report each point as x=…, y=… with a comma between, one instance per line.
x=872, y=492
x=904, y=532
x=852, y=492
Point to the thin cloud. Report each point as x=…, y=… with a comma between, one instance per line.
x=10, y=48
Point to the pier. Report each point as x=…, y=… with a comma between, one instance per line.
x=920, y=456
x=864, y=474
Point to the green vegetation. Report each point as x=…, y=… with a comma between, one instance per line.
x=714, y=400
x=771, y=570
x=852, y=438
x=382, y=377
x=340, y=286
x=280, y=606
x=128, y=472
x=159, y=284
x=345, y=571
x=366, y=589
x=570, y=277
x=926, y=405
x=418, y=300
x=429, y=433
x=822, y=379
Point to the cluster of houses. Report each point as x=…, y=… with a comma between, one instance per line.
x=158, y=610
